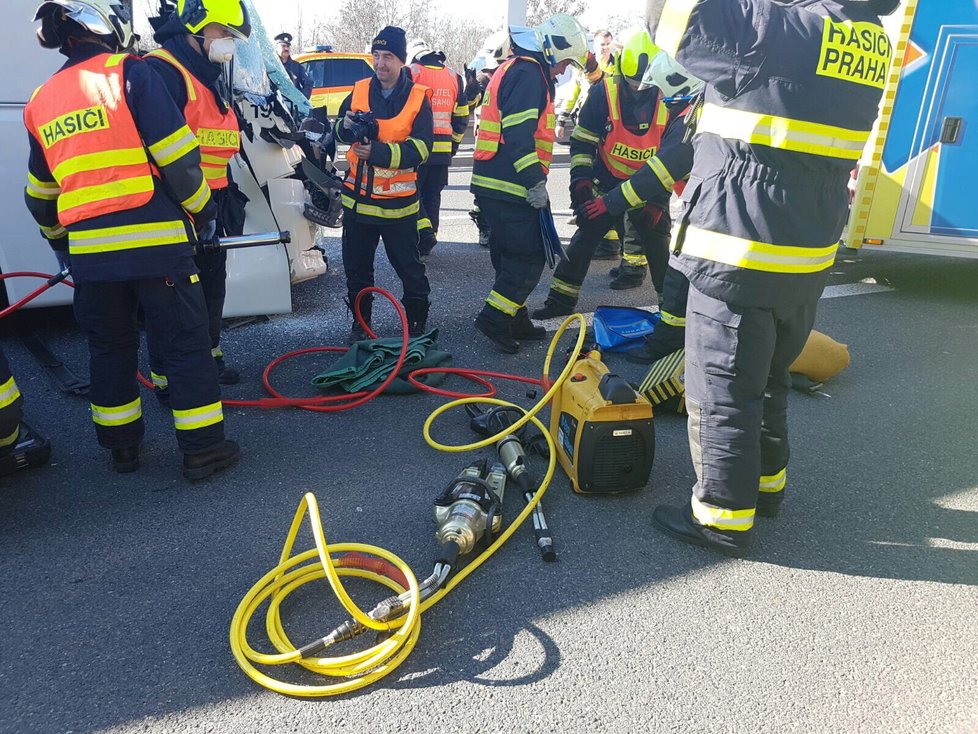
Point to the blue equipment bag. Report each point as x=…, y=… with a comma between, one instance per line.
x=552, y=248
x=620, y=328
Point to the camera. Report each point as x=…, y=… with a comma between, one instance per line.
x=363, y=127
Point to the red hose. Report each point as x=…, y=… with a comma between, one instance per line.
x=32, y=295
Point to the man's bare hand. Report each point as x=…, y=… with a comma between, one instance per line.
x=362, y=150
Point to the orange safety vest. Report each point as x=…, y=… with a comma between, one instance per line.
x=387, y=182
x=443, y=83
x=490, y=122
x=217, y=132
x=623, y=152
x=90, y=140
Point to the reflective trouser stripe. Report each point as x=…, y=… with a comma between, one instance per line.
x=671, y=319
x=639, y=260
x=9, y=392
x=11, y=439
x=207, y=415
x=611, y=234
x=117, y=415
x=782, y=133
x=500, y=302
x=673, y=23
x=159, y=381
x=773, y=483
x=743, y=253
x=562, y=286
x=720, y=517
x=127, y=237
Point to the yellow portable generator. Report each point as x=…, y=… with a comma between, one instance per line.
x=603, y=430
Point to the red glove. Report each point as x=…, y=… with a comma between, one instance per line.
x=582, y=190
x=653, y=214
x=592, y=210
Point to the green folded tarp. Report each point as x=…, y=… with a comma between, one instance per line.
x=370, y=362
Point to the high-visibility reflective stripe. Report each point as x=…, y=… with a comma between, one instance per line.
x=38, y=189
x=673, y=23
x=53, y=233
x=670, y=319
x=639, y=260
x=159, y=381
x=11, y=439
x=489, y=126
x=442, y=118
x=214, y=174
x=377, y=211
x=442, y=146
x=584, y=135
x=188, y=80
x=217, y=352
x=422, y=148
x=631, y=196
x=517, y=117
x=114, y=60
x=117, y=415
x=773, y=483
x=395, y=155
x=424, y=223
x=127, y=237
x=461, y=110
x=457, y=137
x=104, y=192
x=96, y=161
x=499, y=301
x=626, y=171
x=213, y=160
x=8, y=393
x=562, y=286
x=195, y=278
x=490, y=146
x=526, y=161
x=206, y=415
x=497, y=185
x=195, y=203
x=661, y=172
x=582, y=159
x=753, y=255
x=722, y=518
x=611, y=234
x=173, y=147
x=782, y=133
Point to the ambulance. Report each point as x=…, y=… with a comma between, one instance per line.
x=259, y=279
x=915, y=188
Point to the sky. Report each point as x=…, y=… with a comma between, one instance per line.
x=281, y=14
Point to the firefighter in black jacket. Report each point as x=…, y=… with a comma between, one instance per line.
x=618, y=130
x=792, y=92
x=381, y=185
x=116, y=172
x=513, y=151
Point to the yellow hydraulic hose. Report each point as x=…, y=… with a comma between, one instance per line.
x=360, y=669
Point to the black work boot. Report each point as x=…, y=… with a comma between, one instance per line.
x=629, y=276
x=605, y=252
x=499, y=329
x=416, y=310
x=613, y=273
x=202, y=465
x=28, y=451
x=225, y=375
x=649, y=352
x=126, y=460
x=523, y=328
x=357, y=332
x=552, y=310
x=679, y=523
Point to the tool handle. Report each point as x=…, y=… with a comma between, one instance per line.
x=244, y=240
x=545, y=541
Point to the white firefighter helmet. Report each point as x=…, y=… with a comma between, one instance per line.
x=108, y=18
x=640, y=58
x=495, y=49
x=560, y=38
x=418, y=49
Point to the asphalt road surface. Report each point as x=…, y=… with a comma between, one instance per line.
x=856, y=611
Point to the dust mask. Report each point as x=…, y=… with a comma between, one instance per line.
x=221, y=50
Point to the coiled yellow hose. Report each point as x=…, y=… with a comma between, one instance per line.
x=360, y=669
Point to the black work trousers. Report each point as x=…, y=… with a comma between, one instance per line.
x=565, y=288
x=737, y=384
x=670, y=333
x=11, y=407
x=516, y=252
x=400, y=237
x=432, y=180
x=176, y=329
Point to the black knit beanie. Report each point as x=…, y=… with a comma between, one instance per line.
x=391, y=39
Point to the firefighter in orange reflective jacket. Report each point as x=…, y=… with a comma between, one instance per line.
x=195, y=79
x=450, y=111
x=513, y=152
x=115, y=171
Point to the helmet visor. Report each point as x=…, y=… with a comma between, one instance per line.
x=82, y=13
